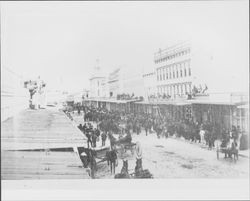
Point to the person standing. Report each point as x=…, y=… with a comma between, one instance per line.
x=94, y=138
x=138, y=151
x=88, y=135
x=202, y=135
x=146, y=126
x=104, y=137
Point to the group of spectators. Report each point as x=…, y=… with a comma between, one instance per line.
x=92, y=134
x=128, y=97
x=120, y=122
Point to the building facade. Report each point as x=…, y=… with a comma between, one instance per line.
x=98, y=86
x=133, y=84
x=121, y=81
x=173, y=68
x=149, y=83
x=115, y=83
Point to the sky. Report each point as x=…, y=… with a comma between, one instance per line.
x=61, y=41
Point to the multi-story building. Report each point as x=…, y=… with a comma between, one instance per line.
x=115, y=82
x=133, y=83
x=173, y=68
x=122, y=82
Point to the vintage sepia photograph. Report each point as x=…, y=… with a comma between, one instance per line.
x=121, y=90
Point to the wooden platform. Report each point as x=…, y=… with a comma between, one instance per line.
x=32, y=129
x=40, y=129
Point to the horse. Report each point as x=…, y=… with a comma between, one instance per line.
x=111, y=157
x=124, y=171
x=232, y=150
x=112, y=140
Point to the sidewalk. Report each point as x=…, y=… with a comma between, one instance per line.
x=42, y=129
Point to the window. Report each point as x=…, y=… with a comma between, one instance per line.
x=185, y=72
x=173, y=75
x=181, y=72
x=177, y=74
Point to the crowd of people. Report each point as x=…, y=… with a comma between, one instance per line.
x=120, y=122
x=93, y=134
x=125, y=96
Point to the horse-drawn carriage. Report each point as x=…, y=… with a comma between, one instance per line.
x=123, y=143
x=91, y=157
x=229, y=148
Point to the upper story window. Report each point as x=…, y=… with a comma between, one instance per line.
x=177, y=74
x=185, y=72
x=181, y=72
